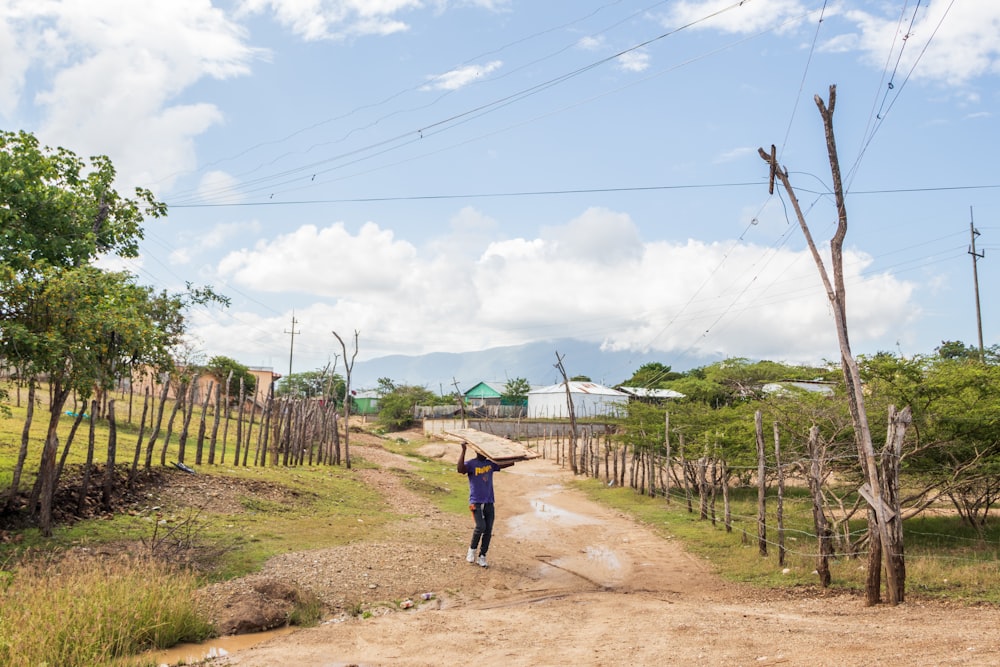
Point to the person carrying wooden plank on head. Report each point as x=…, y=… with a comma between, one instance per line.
x=481, y=500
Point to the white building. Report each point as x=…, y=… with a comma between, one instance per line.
x=589, y=400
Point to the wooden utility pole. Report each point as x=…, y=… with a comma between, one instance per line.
x=572, y=414
x=291, y=347
x=461, y=403
x=882, y=539
x=973, y=233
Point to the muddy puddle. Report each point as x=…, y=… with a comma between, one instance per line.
x=540, y=522
x=186, y=654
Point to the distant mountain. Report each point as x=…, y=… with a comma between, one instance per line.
x=439, y=371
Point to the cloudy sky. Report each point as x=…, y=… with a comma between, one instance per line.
x=456, y=175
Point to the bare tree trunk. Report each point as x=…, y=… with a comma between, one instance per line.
x=703, y=487
x=22, y=454
x=88, y=466
x=199, y=449
x=889, y=468
x=348, y=368
x=761, y=485
x=186, y=424
x=156, y=425
x=666, y=443
x=239, y=424
x=69, y=441
x=225, y=426
x=47, y=480
x=109, y=470
x=715, y=486
x=852, y=376
x=249, y=437
x=823, y=534
x=214, y=438
x=134, y=471
x=178, y=401
x=780, y=504
x=571, y=411
x=725, y=498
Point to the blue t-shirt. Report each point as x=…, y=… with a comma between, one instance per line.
x=480, y=472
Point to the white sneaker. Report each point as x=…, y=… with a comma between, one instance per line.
x=481, y=562
x=471, y=556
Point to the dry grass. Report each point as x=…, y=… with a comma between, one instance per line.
x=85, y=610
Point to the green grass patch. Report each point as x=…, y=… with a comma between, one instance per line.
x=944, y=558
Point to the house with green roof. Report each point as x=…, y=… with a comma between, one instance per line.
x=484, y=393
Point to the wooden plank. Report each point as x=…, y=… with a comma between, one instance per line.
x=491, y=446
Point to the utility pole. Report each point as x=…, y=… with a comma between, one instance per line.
x=973, y=233
x=291, y=347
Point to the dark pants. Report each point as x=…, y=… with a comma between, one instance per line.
x=483, y=513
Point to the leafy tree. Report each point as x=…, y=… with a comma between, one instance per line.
x=580, y=378
x=738, y=380
x=319, y=383
x=699, y=390
x=515, y=392
x=79, y=327
x=57, y=210
x=385, y=386
x=219, y=367
x=396, y=408
x=956, y=349
x=953, y=448
x=60, y=317
x=652, y=375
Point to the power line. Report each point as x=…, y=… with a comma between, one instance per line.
x=455, y=119
x=571, y=191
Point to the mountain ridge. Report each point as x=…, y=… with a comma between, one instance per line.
x=536, y=362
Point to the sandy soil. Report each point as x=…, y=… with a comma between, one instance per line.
x=571, y=582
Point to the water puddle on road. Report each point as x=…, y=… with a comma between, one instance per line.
x=604, y=557
x=186, y=654
x=537, y=524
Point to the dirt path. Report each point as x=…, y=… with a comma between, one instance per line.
x=574, y=583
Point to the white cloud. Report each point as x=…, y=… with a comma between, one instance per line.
x=327, y=262
x=746, y=18
x=592, y=278
x=590, y=43
x=960, y=37
x=335, y=19
x=461, y=77
x=633, y=61
x=115, y=71
x=960, y=40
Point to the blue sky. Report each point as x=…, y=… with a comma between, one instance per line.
x=449, y=175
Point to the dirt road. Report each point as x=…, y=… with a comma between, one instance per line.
x=571, y=582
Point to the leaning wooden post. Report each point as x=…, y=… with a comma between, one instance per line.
x=214, y=438
x=138, y=443
x=200, y=444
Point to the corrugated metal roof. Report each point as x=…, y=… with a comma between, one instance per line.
x=579, y=388
x=643, y=392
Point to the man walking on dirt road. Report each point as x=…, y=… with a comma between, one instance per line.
x=480, y=471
